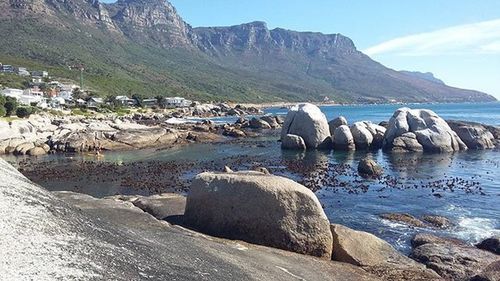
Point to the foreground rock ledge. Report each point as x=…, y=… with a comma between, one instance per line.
x=79, y=237
x=258, y=208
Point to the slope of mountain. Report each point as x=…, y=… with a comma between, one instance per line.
x=423, y=75
x=145, y=47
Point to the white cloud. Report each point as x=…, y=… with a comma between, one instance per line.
x=477, y=38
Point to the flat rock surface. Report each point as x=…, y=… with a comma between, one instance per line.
x=75, y=236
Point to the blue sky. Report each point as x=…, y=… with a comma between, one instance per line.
x=457, y=40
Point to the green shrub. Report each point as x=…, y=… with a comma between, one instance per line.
x=23, y=112
x=10, y=106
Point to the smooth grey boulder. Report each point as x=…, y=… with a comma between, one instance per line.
x=259, y=208
x=271, y=120
x=376, y=256
x=407, y=142
x=337, y=122
x=363, y=138
x=431, y=131
x=71, y=236
x=452, y=260
x=343, y=139
x=293, y=142
x=23, y=148
x=474, y=135
x=377, y=132
x=36, y=151
x=307, y=121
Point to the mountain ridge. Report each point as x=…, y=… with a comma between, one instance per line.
x=144, y=46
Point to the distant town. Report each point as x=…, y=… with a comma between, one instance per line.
x=40, y=91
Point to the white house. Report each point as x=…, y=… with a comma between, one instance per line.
x=13, y=93
x=124, y=100
x=94, y=102
x=22, y=71
x=26, y=97
x=176, y=102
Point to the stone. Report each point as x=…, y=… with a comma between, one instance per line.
x=343, y=139
x=227, y=170
x=407, y=142
x=375, y=256
x=23, y=148
x=431, y=131
x=369, y=168
x=378, y=133
x=162, y=206
x=290, y=141
x=256, y=123
x=490, y=273
x=474, y=135
x=235, y=133
x=337, y=122
x=307, y=121
x=362, y=137
x=491, y=244
x=36, y=151
x=437, y=221
x=426, y=238
x=262, y=170
x=403, y=218
x=453, y=261
x=271, y=120
x=261, y=209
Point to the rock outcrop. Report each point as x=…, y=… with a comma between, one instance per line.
x=431, y=132
x=261, y=209
x=293, y=142
x=452, y=260
x=342, y=139
x=81, y=237
x=376, y=256
x=491, y=244
x=474, y=135
x=337, y=122
x=307, y=121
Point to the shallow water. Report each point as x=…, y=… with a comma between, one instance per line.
x=463, y=186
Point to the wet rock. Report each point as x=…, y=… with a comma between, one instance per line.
x=367, y=167
x=23, y=148
x=256, y=123
x=431, y=131
x=36, y=151
x=453, y=261
x=337, y=122
x=280, y=119
x=307, y=121
x=162, y=206
x=474, y=135
x=491, y=244
x=235, y=133
x=403, y=218
x=437, y=221
x=426, y=238
x=376, y=256
x=293, y=142
x=262, y=209
x=343, y=139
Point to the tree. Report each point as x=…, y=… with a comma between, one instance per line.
x=138, y=98
x=161, y=101
x=23, y=112
x=10, y=106
x=2, y=104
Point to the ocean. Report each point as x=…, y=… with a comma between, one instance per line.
x=462, y=186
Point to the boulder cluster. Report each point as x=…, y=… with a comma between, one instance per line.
x=414, y=130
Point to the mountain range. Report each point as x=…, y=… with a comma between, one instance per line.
x=145, y=47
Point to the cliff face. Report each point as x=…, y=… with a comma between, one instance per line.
x=147, y=44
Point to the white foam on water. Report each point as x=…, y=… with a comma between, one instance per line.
x=475, y=229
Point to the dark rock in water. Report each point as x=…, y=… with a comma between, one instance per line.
x=453, y=261
x=474, y=135
x=337, y=122
x=491, y=244
x=369, y=168
x=81, y=237
x=403, y=218
x=293, y=142
x=376, y=256
x=490, y=273
x=437, y=221
x=426, y=238
x=271, y=120
x=261, y=209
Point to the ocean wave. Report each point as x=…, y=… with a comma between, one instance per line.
x=475, y=229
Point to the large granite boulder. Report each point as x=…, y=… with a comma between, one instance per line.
x=363, y=138
x=407, y=142
x=293, y=142
x=337, y=122
x=452, y=260
x=343, y=139
x=271, y=120
x=474, y=135
x=257, y=123
x=376, y=256
x=261, y=209
x=431, y=131
x=307, y=121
